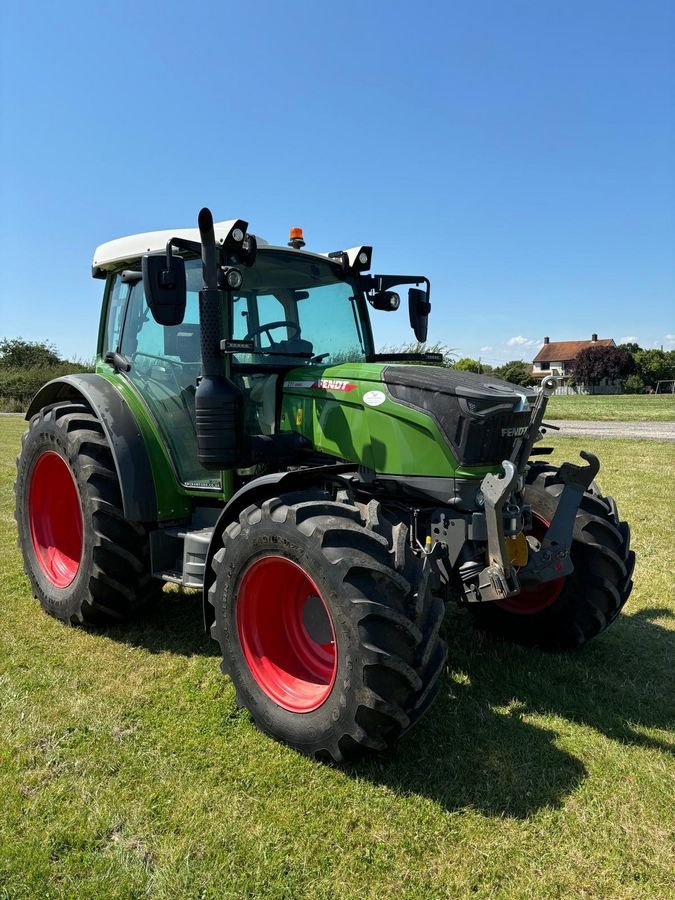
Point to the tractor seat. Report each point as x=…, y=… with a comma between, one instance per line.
x=263, y=393
x=183, y=341
x=294, y=346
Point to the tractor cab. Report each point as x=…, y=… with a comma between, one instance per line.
x=268, y=310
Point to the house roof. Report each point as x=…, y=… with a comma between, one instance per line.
x=564, y=351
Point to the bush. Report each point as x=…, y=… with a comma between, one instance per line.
x=633, y=384
x=19, y=385
x=465, y=364
x=517, y=372
x=18, y=353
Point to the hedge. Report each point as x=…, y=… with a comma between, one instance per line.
x=18, y=385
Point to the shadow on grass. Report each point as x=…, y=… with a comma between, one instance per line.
x=479, y=747
x=173, y=624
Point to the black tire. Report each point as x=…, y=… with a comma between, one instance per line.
x=388, y=655
x=592, y=596
x=111, y=581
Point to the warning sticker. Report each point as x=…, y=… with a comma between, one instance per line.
x=374, y=398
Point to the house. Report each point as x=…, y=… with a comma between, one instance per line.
x=557, y=357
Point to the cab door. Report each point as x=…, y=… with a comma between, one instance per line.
x=165, y=363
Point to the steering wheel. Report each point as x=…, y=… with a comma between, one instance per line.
x=266, y=329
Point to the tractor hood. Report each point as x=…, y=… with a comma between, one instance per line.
x=406, y=419
x=479, y=416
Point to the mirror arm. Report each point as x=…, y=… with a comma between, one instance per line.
x=177, y=243
x=384, y=282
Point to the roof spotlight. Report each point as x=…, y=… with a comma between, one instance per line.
x=235, y=236
x=360, y=258
x=232, y=279
x=356, y=259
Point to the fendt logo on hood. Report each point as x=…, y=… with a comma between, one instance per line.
x=514, y=431
x=323, y=384
x=334, y=384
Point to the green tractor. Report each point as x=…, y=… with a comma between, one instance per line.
x=241, y=436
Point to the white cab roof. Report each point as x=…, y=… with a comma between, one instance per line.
x=112, y=253
x=128, y=249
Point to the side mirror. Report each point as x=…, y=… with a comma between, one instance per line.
x=419, y=308
x=385, y=300
x=165, y=288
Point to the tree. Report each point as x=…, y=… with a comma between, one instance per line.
x=16, y=353
x=595, y=363
x=655, y=365
x=466, y=364
x=631, y=346
x=516, y=371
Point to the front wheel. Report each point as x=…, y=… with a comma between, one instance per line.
x=327, y=625
x=564, y=613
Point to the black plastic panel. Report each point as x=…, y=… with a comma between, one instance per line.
x=480, y=416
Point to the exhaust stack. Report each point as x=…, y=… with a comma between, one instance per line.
x=218, y=400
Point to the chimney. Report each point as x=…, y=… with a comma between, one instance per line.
x=546, y=340
x=594, y=337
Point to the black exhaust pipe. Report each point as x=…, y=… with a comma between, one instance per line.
x=218, y=400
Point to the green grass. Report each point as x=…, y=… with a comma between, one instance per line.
x=127, y=771
x=613, y=407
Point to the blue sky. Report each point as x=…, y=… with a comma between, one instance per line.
x=521, y=153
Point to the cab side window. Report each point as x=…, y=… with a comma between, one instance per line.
x=119, y=295
x=142, y=334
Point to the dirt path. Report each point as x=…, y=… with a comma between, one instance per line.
x=660, y=431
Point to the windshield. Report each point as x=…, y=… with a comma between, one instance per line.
x=295, y=309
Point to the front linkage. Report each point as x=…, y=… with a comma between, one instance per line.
x=547, y=559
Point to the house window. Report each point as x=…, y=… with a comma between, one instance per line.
x=544, y=366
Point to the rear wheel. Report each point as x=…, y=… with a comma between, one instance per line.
x=564, y=613
x=327, y=626
x=85, y=562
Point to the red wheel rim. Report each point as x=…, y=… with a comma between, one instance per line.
x=55, y=519
x=286, y=633
x=537, y=597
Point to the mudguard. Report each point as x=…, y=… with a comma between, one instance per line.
x=130, y=456
x=253, y=492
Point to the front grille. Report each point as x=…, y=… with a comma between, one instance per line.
x=487, y=440
x=480, y=429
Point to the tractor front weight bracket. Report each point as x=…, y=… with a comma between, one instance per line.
x=552, y=559
x=498, y=580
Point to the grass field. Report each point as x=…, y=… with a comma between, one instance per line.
x=614, y=407
x=127, y=771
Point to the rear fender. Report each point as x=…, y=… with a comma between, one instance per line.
x=132, y=464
